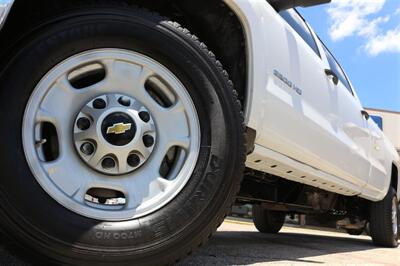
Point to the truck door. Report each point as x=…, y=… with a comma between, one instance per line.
x=301, y=109
x=353, y=133
x=380, y=160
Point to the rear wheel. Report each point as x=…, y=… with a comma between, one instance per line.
x=385, y=220
x=355, y=232
x=131, y=147
x=267, y=221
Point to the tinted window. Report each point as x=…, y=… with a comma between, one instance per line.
x=297, y=23
x=378, y=120
x=335, y=67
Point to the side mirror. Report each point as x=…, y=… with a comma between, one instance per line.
x=281, y=5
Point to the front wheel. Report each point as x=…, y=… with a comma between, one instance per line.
x=385, y=221
x=127, y=144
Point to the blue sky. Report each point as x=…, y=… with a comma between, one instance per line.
x=364, y=35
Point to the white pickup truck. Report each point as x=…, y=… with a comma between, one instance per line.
x=126, y=141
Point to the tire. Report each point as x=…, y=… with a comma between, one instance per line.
x=54, y=233
x=355, y=232
x=383, y=228
x=267, y=221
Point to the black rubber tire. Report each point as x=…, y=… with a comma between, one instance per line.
x=355, y=232
x=381, y=228
x=47, y=230
x=267, y=221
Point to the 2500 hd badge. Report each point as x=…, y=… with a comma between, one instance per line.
x=288, y=82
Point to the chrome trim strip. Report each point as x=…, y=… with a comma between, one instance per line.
x=5, y=7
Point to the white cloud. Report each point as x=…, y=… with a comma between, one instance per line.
x=371, y=28
x=350, y=17
x=387, y=42
x=362, y=18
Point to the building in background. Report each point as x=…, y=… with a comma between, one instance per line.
x=389, y=122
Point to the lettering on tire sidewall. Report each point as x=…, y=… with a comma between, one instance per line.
x=164, y=225
x=128, y=235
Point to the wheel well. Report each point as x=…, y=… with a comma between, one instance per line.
x=395, y=177
x=212, y=21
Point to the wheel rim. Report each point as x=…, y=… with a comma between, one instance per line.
x=111, y=134
x=395, y=217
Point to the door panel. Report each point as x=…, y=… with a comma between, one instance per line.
x=301, y=116
x=380, y=161
x=353, y=134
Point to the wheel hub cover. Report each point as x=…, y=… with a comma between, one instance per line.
x=112, y=139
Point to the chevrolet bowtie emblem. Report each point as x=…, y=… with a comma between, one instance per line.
x=119, y=128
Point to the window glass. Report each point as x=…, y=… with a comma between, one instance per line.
x=378, y=120
x=297, y=23
x=335, y=67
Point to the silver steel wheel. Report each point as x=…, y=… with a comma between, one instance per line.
x=111, y=134
x=395, y=217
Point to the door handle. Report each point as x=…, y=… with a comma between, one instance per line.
x=365, y=114
x=332, y=74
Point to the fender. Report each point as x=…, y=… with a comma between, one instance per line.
x=5, y=7
x=248, y=14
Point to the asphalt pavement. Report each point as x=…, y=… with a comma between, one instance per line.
x=241, y=244
x=238, y=243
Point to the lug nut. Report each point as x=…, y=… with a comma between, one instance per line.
x=145, y=116
x=133, y=160
x=99, y=104
x=83, y=123
x=148, y=141
x=124, y=101
x=87, y=148
x=108, y=163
